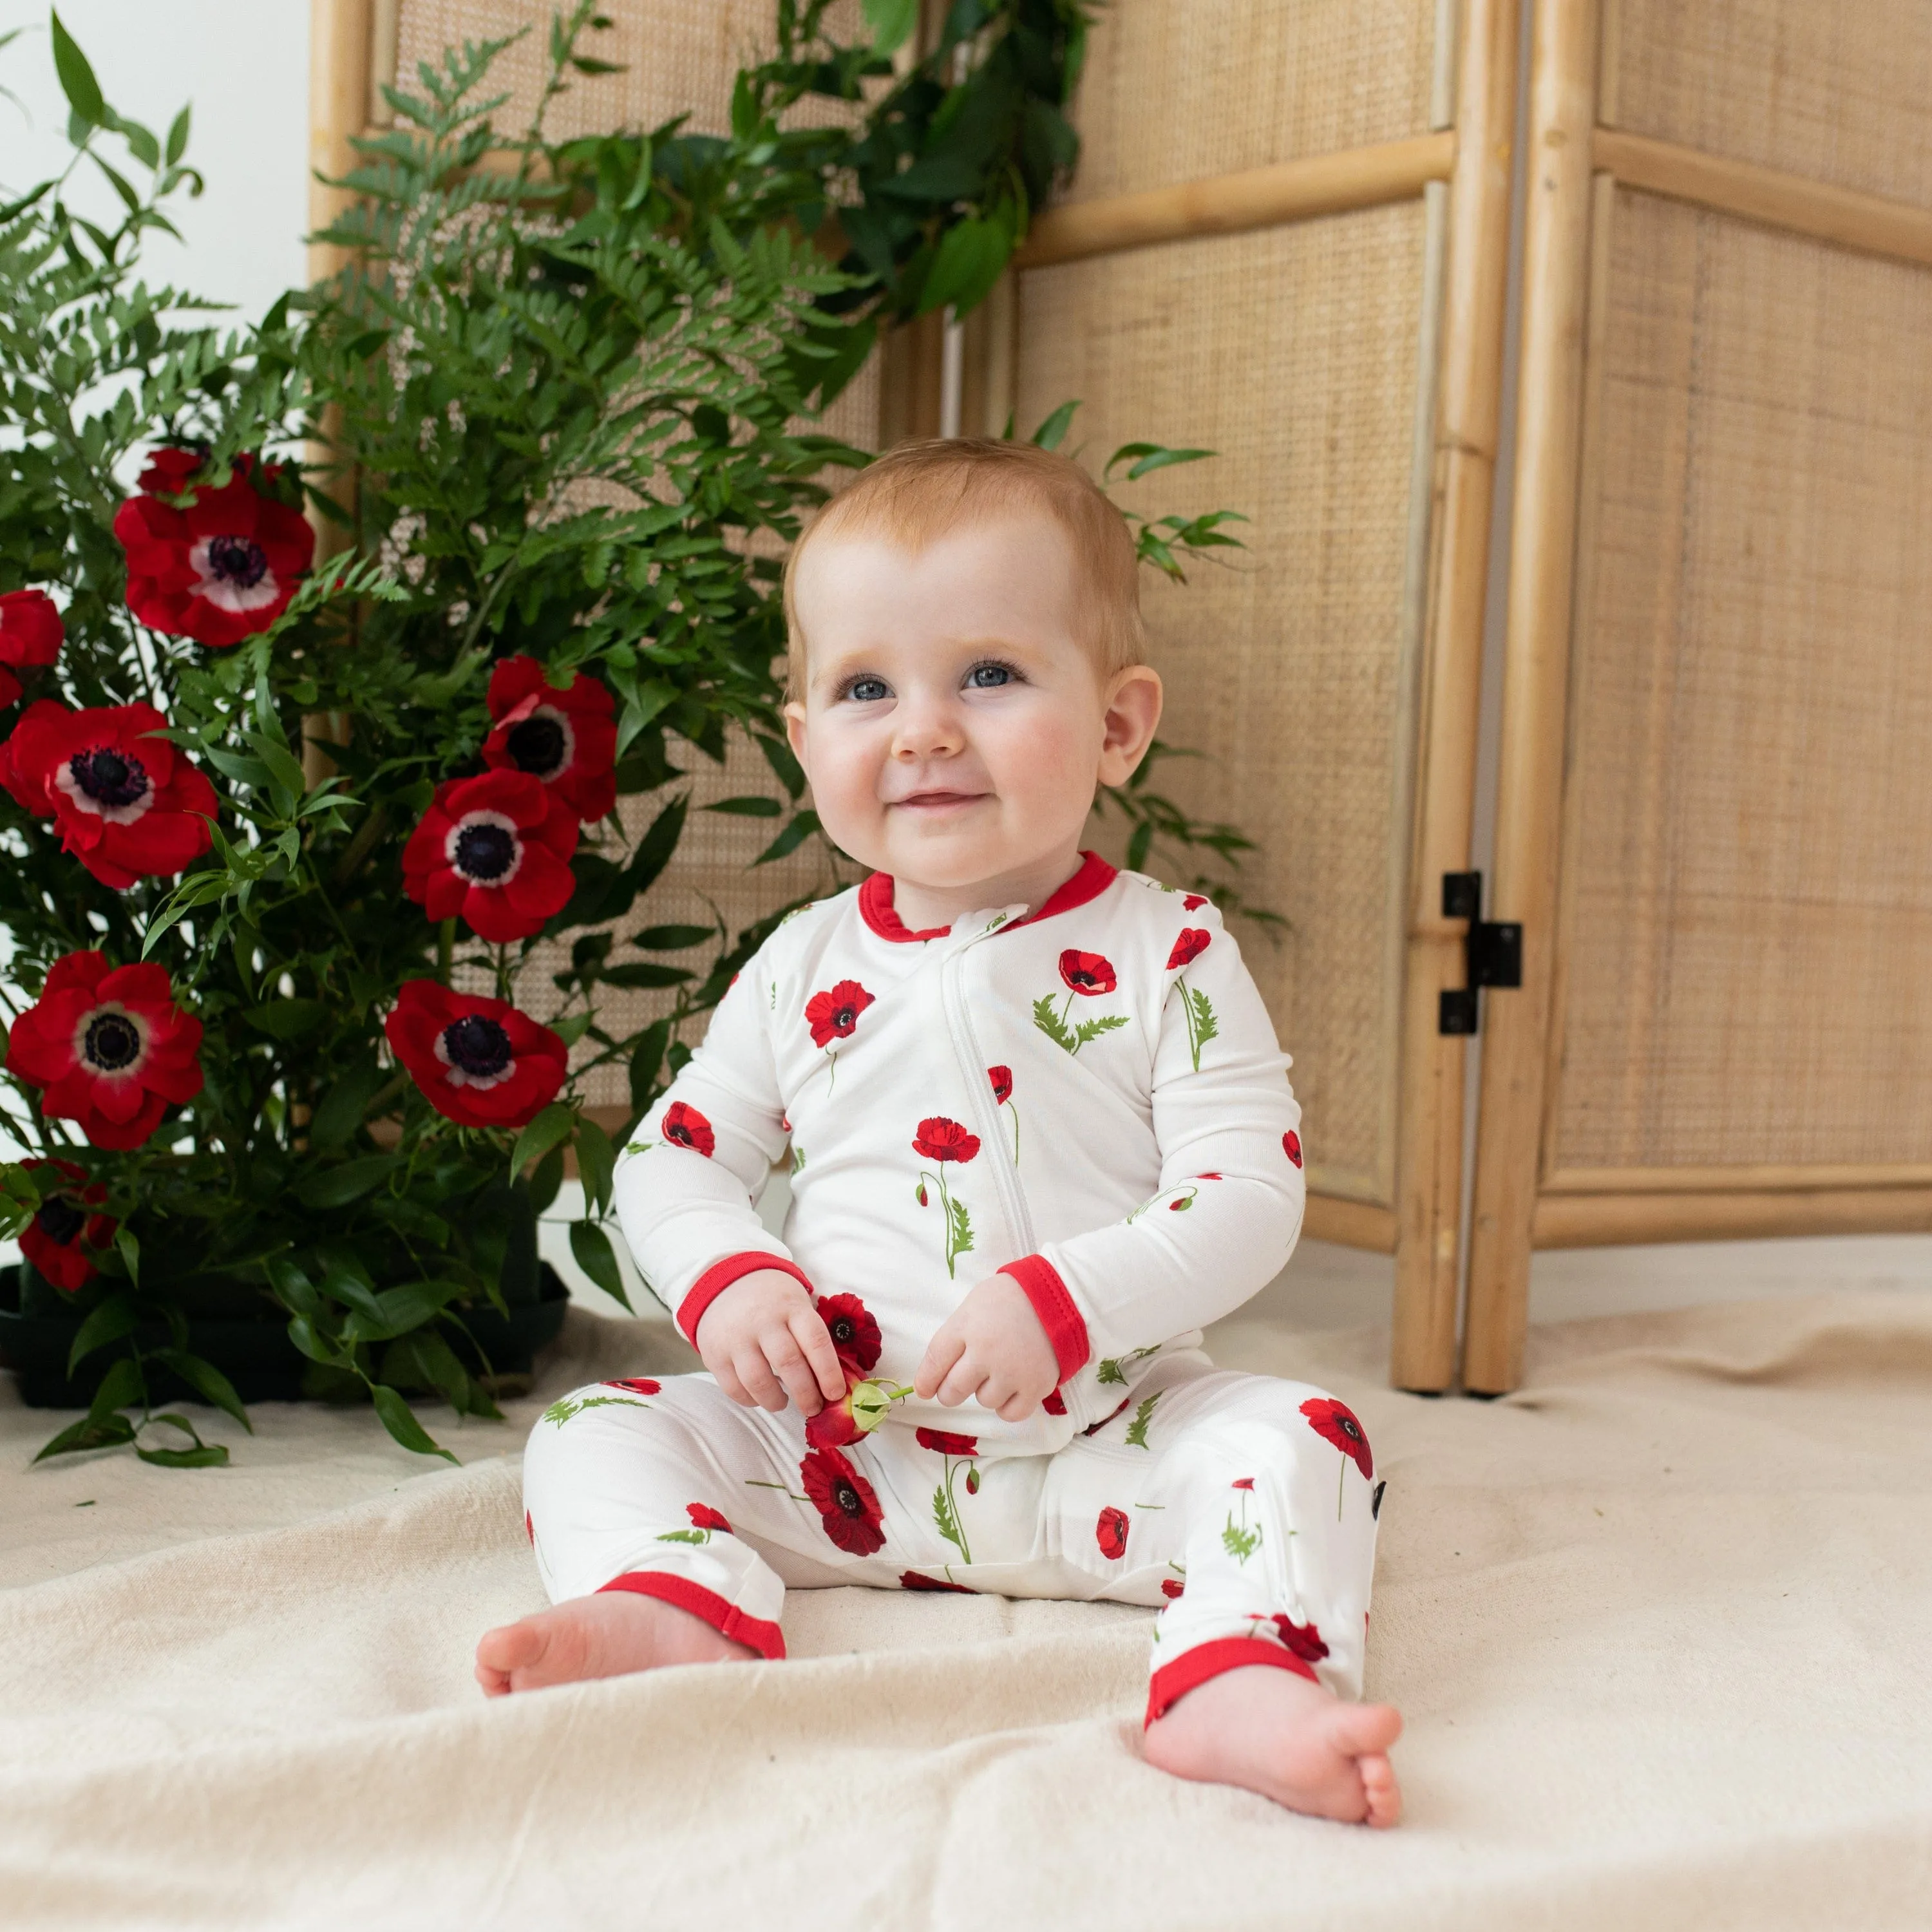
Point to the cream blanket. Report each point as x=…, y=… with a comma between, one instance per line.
x=1661, y=1624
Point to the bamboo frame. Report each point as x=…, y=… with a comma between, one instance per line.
x=1597, y=1220
x=1535, y=680
x=1871, y=224
x=1270, y=197
x=1868, y=1176
x=1428, y=1173
x=1350, y=1224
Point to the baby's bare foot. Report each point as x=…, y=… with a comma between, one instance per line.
x=608, y=1635
x=1273, y=1732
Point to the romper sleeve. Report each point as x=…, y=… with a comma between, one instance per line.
x=1229, y=1207
x=687, y=1183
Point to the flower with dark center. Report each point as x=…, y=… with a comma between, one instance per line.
x=565, y=736
x=1335, y=1422
x=854, y=1332
x=495, y=851
x=128, y=804
x=1087, y=974
x=684, y=1126
x=64, y=1234
x=221, y=568
x=835, y=1015
x=941, y=1139
x=108, y=1047
x=848, y=1509
x=479, y=1062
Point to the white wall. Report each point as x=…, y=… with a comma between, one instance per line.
x=243, y=65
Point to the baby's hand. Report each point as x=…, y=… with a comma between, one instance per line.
x=991, y=1346
x=762, y=1340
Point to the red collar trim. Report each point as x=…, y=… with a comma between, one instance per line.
x=875, y=902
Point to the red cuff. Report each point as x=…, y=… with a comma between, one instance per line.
x=717, y=1278
x=766, y=1638
x=1057, y=1315
x=1192, y=1668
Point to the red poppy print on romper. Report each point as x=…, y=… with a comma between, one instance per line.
x=222, y=569
x=62, y=1238
x=834, y=1014
x=686, y=1127
x=1054, y=1404
x=530, y=1529
x=848, y=1511
x=1002, y=1078
x=910, y=1579
x=1304, y=1640
x=109, y=1046
x=1193, y=902
x=1089, y=974
x=940, y=1141
x=1188, y=948
x=127, y=805
x=854, y=1334
x=1173, y=1588
x=944, y=1442
x=1111, y=1533
x=1335, y=1422
x=566, y=739
x=1291, y=1145
x=479, y=1062
x=637, y=1384
x=704, y=1516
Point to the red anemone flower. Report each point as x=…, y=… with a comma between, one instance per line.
x=847, y=1506
x=495, y=849
x=479, y=1062
x=854, y=1334
x=1304, y=1640
x=219, y=571
x=127, y=804
x=1087, y=972
x=941, y=1139
x=832, y=1016
x=910, y=1579
x=110, y=1047
x=1291, y=1145
x=944, y=1442
x=1335, y=1422
x=30, y=636
x=1111, y=1533
x=1002, y=1078
x=637, y=1384
x=1188, y=948
x=686, y=1127
x=704, y=1516
x=565, y=738
x=62, y=1238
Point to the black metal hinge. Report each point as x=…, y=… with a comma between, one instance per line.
x=1492, y=951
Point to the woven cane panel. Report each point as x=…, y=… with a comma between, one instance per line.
x=1293, y=353
x=1834, y=89
x=678, y=56
x=1747, y=932
x=1174, y=91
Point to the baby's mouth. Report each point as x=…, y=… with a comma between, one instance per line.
x=939, y=801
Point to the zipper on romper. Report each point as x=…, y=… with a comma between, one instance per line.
x=979, y=1087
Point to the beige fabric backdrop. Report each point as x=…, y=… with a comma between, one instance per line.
x=1661, y=1623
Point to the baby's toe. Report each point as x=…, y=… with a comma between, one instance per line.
x=1380, y=1788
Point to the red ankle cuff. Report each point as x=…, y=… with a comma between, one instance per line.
x=1192, y=1668
x=766, y=1638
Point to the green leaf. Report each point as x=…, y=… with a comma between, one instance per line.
x=178, y=137
x=291, y=1285
x=801, y=827
x=595, y=1160
x=1048, y=1021
x=1052, y=433
x=115, y=1318
x=337, y=1186
x=89, y=1432
x=1148, y=456
x=207, y=1381
x=592, y=1248
x=287, y=1019
x=398, y=1419
x=204, y=1456
x=784, y=767
x=1137, y=1430
x=889, y=22
x=546, y=1178
x=124, y=1384
x=634, y=977
x=340, y=1114
x=77, y=77
x=283, y=765
x=129, y=1244
x=670, y=938
x=750, y=806
x=551, y=1128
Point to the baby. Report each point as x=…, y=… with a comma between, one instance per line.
x=1040, y=1133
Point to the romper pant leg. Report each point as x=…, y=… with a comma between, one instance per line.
x=669, y=1488
x=1246, y=1505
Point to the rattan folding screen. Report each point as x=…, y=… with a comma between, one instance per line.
x=1714, y=817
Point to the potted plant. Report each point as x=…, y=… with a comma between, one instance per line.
x=285, y=820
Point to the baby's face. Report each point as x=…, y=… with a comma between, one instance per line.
x=954, y=726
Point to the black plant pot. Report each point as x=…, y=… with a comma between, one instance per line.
x=253, y=1351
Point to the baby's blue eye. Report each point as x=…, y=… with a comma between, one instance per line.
x=867, y=690
x=989, y=676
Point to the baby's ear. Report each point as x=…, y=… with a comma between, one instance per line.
x=1133, y=715
x=794, y=719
